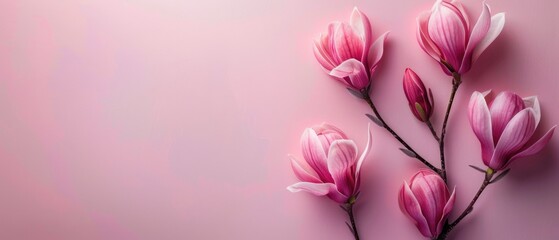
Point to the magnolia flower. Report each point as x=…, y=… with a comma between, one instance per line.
x=347, y=51
x=504, y=127
x=331, y=165
x=427, y=202
x=446, y=35
x=421, y=103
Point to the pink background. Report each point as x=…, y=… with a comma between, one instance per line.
x=173, y=120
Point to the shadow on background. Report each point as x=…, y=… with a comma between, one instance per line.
x=495, y=60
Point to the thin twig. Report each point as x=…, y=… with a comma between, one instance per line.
x=430, y=125
x=368, y=99
x=456, y=81
x=348, y=208
x=488, y=176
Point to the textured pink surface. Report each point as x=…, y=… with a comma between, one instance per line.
x=173, y=120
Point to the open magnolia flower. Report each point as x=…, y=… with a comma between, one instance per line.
x=331, y=165
x=446, y=35
x=347, y=51
x=427, y=202
x=504, y=127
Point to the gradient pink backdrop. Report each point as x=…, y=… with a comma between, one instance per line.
x=172, y=120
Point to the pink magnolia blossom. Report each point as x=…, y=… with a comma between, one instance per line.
x=331, y=165
x=347, y=51
x=446, y=35
x=420, y=102
x=505, y=127
x=427, y=202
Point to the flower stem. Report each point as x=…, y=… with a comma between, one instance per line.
x=448, y=227
x=456, y=81
x=430, y=125
x=368, y=99
x=353, y=227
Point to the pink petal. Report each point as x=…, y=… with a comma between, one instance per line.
x=536, y=147
x=460, y=8
x=478, y=33
x=453, y=7
x=327, y=134
x=322, y=54
x=423, y=38
x=355, y=71
x=347, y=43
x=447, y=29
x=319, y=189
x=505, y=106
x=341, y=160
x=330, y=40
x=446, y=211
x=532, y=102
x=517, y=132
x=303, y=171
x=432, y=194
x=315, y=155
x=362, y=158
x=497, y=24
x=329, y=129
x=480, y=121
x=361, y=25
x=324, y=50
x=410, y=207
x=376, y=52
x=414, y=88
